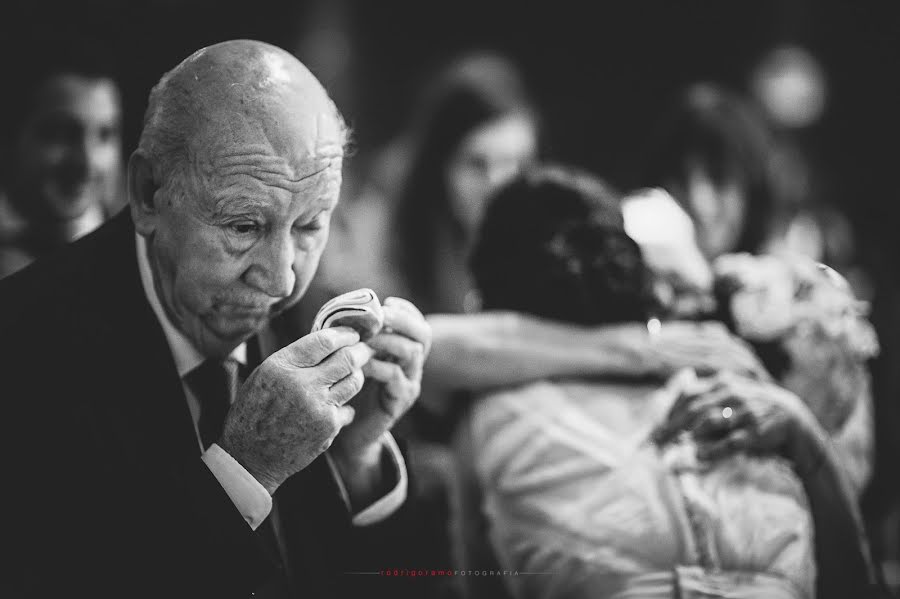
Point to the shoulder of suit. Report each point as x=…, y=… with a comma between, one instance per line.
x=54, y=288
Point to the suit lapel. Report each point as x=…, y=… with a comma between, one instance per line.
x=142, y=399
x=145, y=400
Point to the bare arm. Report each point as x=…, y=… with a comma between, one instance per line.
x=844, y=562
x=765, y=419
x=854, y=441
x=490, y=349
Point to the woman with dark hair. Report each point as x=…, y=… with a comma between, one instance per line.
x=475, y=131
x=573, y=260
x=409, y=232
x=627, y=487
x=745, y=184
x=714, y=154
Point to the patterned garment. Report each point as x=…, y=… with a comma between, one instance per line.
x=582, y=505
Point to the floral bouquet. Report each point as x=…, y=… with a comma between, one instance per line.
x=807, y=326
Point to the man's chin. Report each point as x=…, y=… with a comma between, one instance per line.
x=225, y=335
x=70, y=206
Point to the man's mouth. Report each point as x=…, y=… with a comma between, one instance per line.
x=245, y=311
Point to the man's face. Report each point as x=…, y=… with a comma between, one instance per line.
x=68, y=153
x=244, y=240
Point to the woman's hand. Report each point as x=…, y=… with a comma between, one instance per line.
x=729, y=414
x=707, y=347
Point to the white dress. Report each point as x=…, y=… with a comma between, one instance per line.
x=581, y=504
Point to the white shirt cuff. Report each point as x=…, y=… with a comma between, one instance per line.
x=390, y=503
x=246, y=493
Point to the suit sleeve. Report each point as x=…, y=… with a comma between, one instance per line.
x=83, y=517
x=330, y=552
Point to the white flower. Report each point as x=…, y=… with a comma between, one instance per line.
x=762, y=303
x=763, y=314
x=665, y=234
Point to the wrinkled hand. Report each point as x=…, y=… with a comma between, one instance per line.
x=728, y=414
x=707, y=347
x=293, y=405
x=394, y=379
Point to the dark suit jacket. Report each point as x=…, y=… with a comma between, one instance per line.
x=104, y=493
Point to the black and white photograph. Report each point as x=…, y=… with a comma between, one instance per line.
x=450, y=299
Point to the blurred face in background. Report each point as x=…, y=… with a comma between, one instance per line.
x=486, y=158
x=717, y=207
x=68, y=153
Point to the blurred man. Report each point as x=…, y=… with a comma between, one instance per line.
x=60, y=144
x=140, y=465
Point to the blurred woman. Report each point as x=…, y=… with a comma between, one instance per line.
x=616, y=487
x=475, y=134
x=409, y=230
x=747, y=190
x=473, y=130
x=713, y=155
x=746, y=187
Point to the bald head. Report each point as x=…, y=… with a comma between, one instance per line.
x=234, y=91
x=233, y=186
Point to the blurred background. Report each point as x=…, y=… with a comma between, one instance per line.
x=601, y=75
x=601, y=72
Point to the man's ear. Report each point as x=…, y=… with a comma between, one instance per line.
x=142, y=190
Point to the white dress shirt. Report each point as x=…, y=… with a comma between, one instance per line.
x=248, y=495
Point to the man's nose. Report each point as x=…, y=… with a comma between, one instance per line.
x=78, y=156
x=96, y=157
x=273, y=271
x=500, y=173
x=91, y=154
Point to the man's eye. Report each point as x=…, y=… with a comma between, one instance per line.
x=243, y=228
x=311, y=227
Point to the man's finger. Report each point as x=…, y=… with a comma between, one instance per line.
x=398, y=389
x=409, y=354
x=691, y=392
x=387, y=373
x=345, y=415
x=738, y=441
x=404, y=304
x=687, y=411
x=310, y=350
x=398, y=318
x=691, y=413
x=344, y=362
x=346, y=389
x=720, y=420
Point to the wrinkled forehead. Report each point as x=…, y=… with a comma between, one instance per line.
x=303, y=140
x=253, y=101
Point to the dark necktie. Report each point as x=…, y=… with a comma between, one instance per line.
x=215, y=385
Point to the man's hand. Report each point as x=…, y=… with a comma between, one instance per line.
x=729, y=414
x=395, y=378
x=293, y=405
x=707, y=347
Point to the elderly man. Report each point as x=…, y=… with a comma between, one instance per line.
x=127, y=473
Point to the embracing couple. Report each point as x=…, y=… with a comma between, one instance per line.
x=730, y=485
